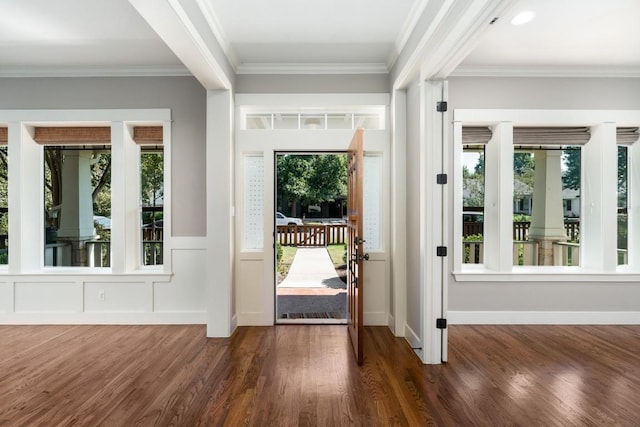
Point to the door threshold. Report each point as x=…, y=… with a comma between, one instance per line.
x=311, y=321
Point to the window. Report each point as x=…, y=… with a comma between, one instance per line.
x=4, y=201
x=77, y=196
x=369, y=118
x=152, y=201
x=473, y=165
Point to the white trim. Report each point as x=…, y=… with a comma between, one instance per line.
x=472, y=117
x=312, y=68
x=543, y=317
x=477, y=273
x=124, y=71
x=391, y=323
x=584, y=71
x=105, y=318
x=417, y=8
x=218, y=32
x=234, y=324
x=328, y=321
x=412, y=338
x=375, y=318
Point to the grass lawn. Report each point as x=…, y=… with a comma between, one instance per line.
x=288, y=253
x=336, y=252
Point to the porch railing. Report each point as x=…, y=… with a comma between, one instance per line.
x=526, y=253
x=312, y=234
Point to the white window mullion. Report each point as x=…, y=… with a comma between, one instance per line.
x=125, y=200
x=598, y=230
x=26, y=201
x=498, y=199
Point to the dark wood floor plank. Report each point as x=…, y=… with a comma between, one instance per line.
x=305, y=375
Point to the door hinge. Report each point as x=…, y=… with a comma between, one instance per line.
x=441, y=178
x=441, y=106
x=441, y=323
x=441, y=251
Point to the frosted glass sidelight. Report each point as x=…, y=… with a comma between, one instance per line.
x=253, y=227
x=372, y=202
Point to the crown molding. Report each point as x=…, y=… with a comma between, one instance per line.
x=313, y=68
x=130, y=71
x=586, y=71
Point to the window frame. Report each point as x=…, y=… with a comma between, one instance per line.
x=597, y=242
x=26, y=194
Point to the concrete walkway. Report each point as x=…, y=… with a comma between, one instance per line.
x=312, y=268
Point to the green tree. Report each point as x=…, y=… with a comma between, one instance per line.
x=293, y=172
x=310, y=179
x=571, y=174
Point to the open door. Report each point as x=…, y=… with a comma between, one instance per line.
x=356, y=255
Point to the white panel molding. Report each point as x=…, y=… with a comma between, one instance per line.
x=543, y=317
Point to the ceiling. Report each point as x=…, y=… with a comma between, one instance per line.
x=567, y=36
x=98, y=37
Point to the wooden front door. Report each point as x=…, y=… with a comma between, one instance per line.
x=356, y=255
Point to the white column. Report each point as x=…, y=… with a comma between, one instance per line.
x=26, y=201
x=76, y=212
x=547, y=217
x=633, y=194
x=220, y=211
x=431, y=266
x=125, y=200
x=398, y=212
x=498, y=199
x=598, y=228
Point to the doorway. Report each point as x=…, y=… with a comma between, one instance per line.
x=310, y=194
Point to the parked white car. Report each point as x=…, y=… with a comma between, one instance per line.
x=285, y=220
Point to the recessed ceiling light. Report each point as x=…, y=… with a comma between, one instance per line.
x=522, y=18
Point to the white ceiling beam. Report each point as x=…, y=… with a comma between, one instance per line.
x=181, y=25
x=446, y=33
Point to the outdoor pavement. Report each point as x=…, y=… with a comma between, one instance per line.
x=312, y=286
x=312, y=268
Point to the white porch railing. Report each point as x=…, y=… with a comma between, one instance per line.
x=525, y=252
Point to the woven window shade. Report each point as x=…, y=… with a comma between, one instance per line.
x=551, y=135
x=73, y=135
x=475, y=135
x=4, y=136
x=627, y=136
x=93, y=135
x=151, y=135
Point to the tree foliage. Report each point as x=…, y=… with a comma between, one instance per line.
x=310, y=179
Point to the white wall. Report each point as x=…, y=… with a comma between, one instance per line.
x=413, y=188
x=554, y=300
x=175, y=296
x=183, y=95
x=254, y=268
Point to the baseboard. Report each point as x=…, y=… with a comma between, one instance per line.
x=375, y=319
x=391, y=323
x=412, y=338
x=234, y=324
x=113, y=318
x=543, y=317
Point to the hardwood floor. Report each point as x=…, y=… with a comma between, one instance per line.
x=306, y=375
